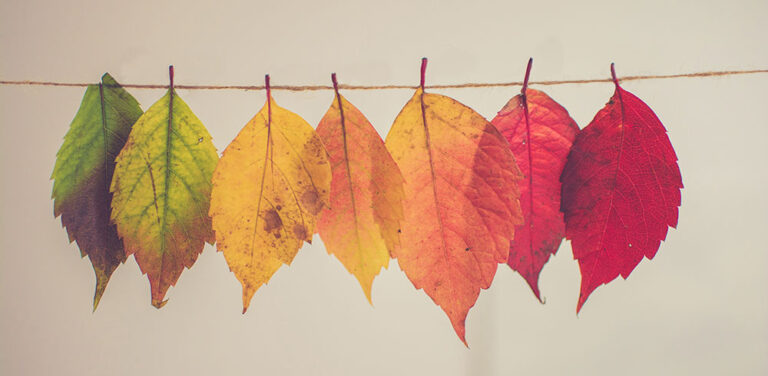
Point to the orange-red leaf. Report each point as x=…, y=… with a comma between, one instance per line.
x=361, y=226
x=461, y=203
x=540, y=133
x=621, y=191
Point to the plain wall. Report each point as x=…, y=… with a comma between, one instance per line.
x=700, y=307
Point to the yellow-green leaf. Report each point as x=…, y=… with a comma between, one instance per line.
x=161, y=187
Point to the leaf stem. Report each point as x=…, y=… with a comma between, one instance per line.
x=527, y=75
x=335, y=84
x=423, y=71
x=266, y=86
x=613, y=76
x=170, y=75
x=269, y=98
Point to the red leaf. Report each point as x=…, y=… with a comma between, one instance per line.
x=621, y=190
x=540, y=134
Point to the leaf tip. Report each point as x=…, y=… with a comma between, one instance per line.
x=159, y=303
x=366, y=290
x=582, y=300
x=537, y=293
x=102, y=278
x=247, y=296
x=460, y=329
x=96, y=299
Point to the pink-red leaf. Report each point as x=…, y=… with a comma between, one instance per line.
x=621, y=191
x=540, y=134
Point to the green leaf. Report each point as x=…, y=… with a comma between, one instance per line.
x=162, y=190
x=83, y=171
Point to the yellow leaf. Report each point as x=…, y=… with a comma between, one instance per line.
x=268, y=188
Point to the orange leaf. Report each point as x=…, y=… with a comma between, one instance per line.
x=361, y=226
x=461, y=200
x=270, y=185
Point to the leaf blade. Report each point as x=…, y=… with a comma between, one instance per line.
x=161, y=192
x=621, y=191
x=83, y=171
x=540, y=133
x=271, y=183
x=459, y=174
x=366, y=190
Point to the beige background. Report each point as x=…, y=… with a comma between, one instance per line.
x=700, y=307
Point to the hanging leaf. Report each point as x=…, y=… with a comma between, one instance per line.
x=461, y=200
x=540, y=133
x=83, y=171
x=161, y=190
x=621, y=190
x=272, y=182
x=361, y=226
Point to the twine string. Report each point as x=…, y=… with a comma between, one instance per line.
x=393, y=87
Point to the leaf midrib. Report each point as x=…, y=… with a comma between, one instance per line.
x=349, y=179
x=428, y=145
x=164, y=223
x=601, y=250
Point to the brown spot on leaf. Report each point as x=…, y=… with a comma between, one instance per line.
x=311, y=201
x=272, y=221
x=300, y=231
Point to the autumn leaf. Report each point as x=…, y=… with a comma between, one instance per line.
x=461, y=200
x=621, y=190
x=83, y=171
x=361, y=226
x=272, y=182
x=161, y=188
x=540, y=133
